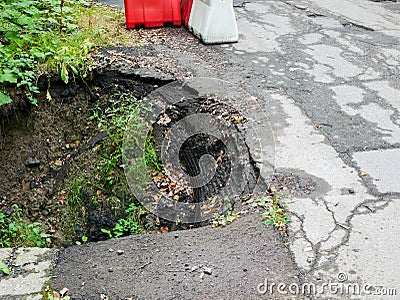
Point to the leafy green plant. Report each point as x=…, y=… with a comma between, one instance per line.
x=4, y=269
x=276, y=216
x=130, y=224
x=31, y=32
x=113, y=120
x=4, y=99
x=110, y=162
x=120, y=113
x=84, y=239
x=17, y=231
x=107, y=232
x=42, y=36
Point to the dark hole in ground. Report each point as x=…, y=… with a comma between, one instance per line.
x=200, y=144
x=191, y=152
x=50, y=153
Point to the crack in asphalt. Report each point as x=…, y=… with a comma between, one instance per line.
x=345, y=147
x=284, y=70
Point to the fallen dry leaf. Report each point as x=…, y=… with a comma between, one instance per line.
x=164, y=120
x=26, y=186
x=164, y=229
x=239, y=119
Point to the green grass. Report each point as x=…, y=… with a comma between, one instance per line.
x=74, y=216
x=150, y=155
x=103, y=185
x=17, y=231
x=40, y=37
x=76, y=194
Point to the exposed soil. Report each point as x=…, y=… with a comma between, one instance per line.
x=34, y=144
x=45, y=149
x=41, y=145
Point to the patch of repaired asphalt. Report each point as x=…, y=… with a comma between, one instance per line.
x=203, y=263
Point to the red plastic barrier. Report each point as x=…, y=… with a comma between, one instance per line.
x=186, y=7
x=152, y=13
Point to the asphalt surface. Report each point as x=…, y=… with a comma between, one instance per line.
x=203, y=263
x=333, y=68
x=327, y=75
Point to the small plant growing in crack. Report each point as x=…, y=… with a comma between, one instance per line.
x=276, y=216
x=4, y=269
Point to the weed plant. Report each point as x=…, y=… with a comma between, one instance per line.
x=17, y=231
x=40, y=37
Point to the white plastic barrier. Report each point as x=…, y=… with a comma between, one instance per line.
x=213, y=21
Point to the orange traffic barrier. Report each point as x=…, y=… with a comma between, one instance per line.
x=186, y=8
x=152, y=13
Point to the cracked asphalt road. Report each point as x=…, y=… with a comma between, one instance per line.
x=326, y=74
x=332, y=69
x=329, y=76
